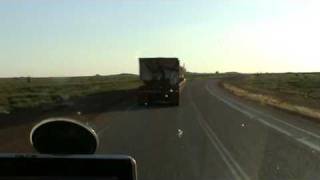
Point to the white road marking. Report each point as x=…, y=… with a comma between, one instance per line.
x=244, y=175
x=226, y=156
x=266, y=123
x=269, y=116
x=287, y=124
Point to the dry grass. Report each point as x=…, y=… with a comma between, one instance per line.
x=298, y=93
x=21, y=93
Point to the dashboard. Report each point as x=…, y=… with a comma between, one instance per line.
x=71, y=167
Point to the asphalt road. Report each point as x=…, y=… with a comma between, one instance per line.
x=212, y=135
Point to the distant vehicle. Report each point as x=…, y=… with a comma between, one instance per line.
x=163, y=80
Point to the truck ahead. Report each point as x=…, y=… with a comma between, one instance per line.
x=163, y=80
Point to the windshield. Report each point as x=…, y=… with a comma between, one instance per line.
x=223, y=89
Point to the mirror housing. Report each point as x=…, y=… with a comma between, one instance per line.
x=63, y=136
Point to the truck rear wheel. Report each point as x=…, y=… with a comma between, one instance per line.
x=141, y=102
x=176, y=101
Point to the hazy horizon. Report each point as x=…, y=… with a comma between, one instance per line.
x=66, y=76
x=42, y=38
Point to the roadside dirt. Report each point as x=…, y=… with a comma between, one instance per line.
x=311, y=113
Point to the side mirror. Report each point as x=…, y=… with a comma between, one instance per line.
x=63, y=136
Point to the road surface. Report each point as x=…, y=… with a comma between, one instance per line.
x=212, y=135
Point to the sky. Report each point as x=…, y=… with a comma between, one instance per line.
x=88, y=37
